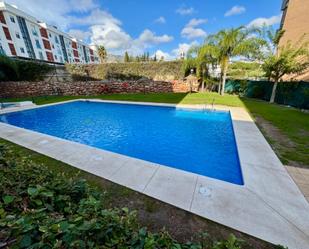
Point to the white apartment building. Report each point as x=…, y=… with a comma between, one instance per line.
x=22, y=35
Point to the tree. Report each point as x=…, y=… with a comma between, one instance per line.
x=284, y=60
x=155, y=57
x=207, y=61
x=245, y=70
x=126, y=57
x=102, y=53
x=229, y=43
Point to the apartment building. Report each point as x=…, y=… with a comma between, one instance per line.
x=295, y=22
x=22, y=35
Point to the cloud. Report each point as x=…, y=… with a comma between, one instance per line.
x=159, y=54
x=185, y=11
x=176, y=52
x=96, y=17
x=191, y=31
x=51, y=12
x=112, y=37
x=195, y=22
x=85, y=20
x=262, y=21
x=160, y=20
x=235, y=10
x=115, y=39
x=118, y=41
x=80, y=34
x=183, y=48
x=149, y=37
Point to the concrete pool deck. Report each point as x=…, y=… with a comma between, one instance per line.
x=269, y=205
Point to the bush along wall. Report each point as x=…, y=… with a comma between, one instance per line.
x=161, y=71
x=294, y=94
x=20, y=70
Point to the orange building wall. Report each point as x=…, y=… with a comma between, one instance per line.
x=296, y=24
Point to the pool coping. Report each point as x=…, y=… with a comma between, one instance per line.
x=269, y=205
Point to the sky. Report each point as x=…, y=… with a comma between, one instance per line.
x=162, y=27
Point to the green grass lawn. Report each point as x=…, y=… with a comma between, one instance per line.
x=183, y=98
x=290, y=139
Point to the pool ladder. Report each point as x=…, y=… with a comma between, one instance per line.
x=212, y=106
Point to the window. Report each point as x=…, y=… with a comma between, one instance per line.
x=50, y=35
x=41, y=55
x=49, y=56
x=22, y=50
x=56, y=57
x=2, y=52
x=2, y=19
x=34, y=31
x=43, y=33
x=53, y=46
x=37, y=43
x=56, y=40
x=17, y=35
x=7, y=33
x=46, y=45
x=75, y=53
x=12, y=19
x=12, y=49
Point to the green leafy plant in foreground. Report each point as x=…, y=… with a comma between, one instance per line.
x=42, y=209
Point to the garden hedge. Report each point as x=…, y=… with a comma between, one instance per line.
x=22, y=70
x=295, y=94
x=164, y=70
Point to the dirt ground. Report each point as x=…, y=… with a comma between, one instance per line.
x=282, y=143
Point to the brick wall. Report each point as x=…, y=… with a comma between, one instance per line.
x=27, y=89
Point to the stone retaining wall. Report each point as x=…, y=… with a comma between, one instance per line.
x=27, y=89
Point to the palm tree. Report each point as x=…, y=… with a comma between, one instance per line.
x=208, y=58
x=229, y=43
x=102, y=53
x=202, y=58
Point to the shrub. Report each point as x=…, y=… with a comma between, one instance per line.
x=8, y=69
x=165, y=70
x=236, y=86
x=257, y=92
x=19, y=70
x=32, y=71
x=42, y=209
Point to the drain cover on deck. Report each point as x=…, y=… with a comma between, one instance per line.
x=205, y=191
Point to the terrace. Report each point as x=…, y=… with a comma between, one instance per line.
x=269, y=205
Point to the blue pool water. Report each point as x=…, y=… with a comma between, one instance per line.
x=196, y=141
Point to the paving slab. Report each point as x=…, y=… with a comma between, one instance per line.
x=226, y=203
x=140, y=174
x=172, y=186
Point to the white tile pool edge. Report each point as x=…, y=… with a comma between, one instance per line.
x=269, y=205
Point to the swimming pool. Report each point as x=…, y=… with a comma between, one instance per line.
x=201, y=142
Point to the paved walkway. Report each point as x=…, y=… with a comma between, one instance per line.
x=301, y=178
x=269, y=205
